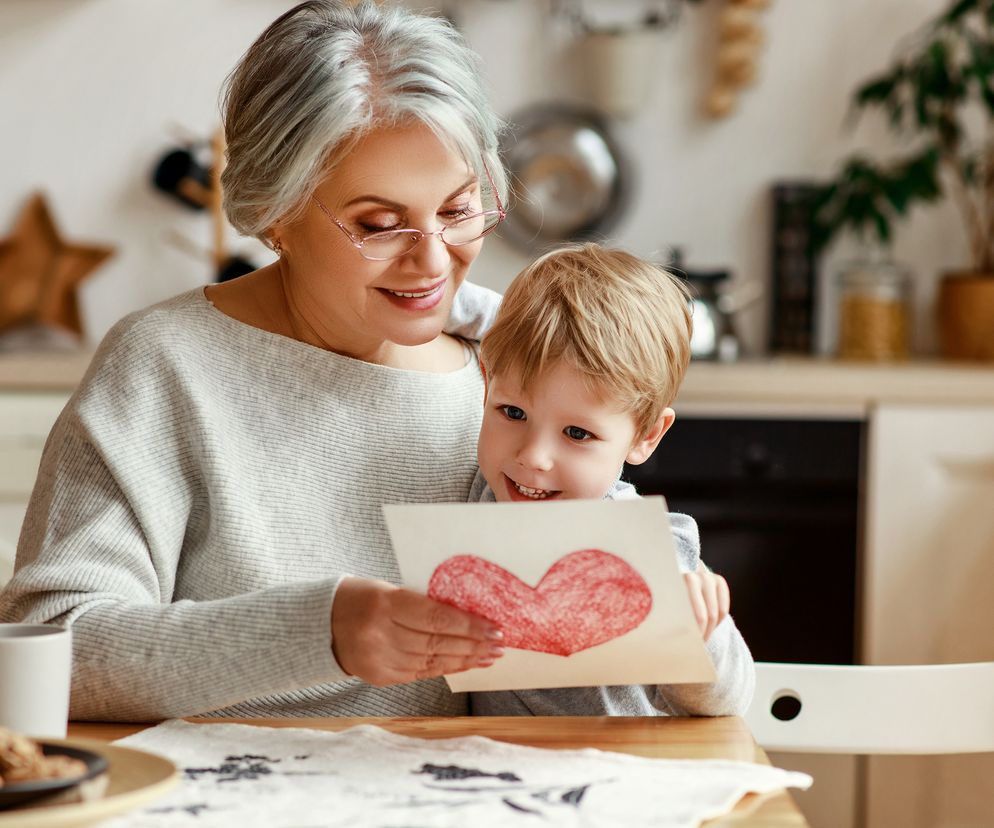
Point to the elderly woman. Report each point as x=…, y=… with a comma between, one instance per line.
x=207, y=512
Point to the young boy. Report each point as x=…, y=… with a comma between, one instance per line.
x=585, y=356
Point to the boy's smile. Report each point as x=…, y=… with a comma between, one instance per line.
x=557, y=440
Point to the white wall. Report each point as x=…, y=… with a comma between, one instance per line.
x=90, y=91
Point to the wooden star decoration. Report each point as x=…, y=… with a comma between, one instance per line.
x=40, y=271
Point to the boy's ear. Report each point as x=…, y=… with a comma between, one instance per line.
x=643, y=448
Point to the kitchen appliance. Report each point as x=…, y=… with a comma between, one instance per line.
x=712, y=305
x=776, y=501
x=714, y=336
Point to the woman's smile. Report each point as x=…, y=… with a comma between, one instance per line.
x=417, y=300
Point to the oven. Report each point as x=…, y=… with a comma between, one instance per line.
x=776, y=501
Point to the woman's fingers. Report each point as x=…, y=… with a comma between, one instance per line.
x=422, y=614
x=387, y=635
x=416, y=642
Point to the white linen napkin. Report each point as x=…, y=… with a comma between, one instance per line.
x=242, y=775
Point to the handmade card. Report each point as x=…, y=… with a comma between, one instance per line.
x=586, y=592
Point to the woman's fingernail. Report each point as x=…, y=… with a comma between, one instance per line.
x=495, y=634
x=486, y=662
x=495, y=652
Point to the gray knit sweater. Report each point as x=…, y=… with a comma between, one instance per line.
x=202, y=495
x=729, y=695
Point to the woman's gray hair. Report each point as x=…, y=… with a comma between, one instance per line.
x=321, y=77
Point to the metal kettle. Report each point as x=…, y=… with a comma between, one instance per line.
x=714, y=335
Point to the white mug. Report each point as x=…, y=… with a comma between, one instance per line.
x=35, y=670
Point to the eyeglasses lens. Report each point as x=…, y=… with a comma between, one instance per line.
x=394, y=243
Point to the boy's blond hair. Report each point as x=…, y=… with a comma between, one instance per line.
x=621, y=321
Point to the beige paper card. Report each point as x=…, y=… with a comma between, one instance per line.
x=587, y=592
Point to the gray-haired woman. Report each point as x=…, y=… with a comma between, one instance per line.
x=207, y=513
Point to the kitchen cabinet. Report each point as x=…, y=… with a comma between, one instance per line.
x=926, y=562
x=26, y=417
x=929, y=589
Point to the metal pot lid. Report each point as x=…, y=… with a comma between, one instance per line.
x=569, y=180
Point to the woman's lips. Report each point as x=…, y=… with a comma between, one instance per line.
x=528, y=494
x=416, y=300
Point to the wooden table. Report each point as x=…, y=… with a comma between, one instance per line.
x=659, y=737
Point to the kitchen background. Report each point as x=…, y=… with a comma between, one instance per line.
x=849, y=501
x=95, y=92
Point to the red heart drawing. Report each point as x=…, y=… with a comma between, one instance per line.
x=584, y=599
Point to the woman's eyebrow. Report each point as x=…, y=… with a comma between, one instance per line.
x=396, y=205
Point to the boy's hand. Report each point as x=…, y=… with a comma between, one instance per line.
x=387, y=635
x=709, y=599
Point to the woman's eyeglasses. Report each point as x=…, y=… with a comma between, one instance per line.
x=390, y=244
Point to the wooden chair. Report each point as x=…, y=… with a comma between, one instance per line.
x=818, y=708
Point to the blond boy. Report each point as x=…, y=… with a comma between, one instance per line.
x=582, y=364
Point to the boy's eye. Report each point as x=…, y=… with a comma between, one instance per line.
x=577, y=433
x=512, y=412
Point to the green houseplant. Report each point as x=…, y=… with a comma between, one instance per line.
x=938, y=99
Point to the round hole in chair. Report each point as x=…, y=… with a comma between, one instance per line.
x=785, y=706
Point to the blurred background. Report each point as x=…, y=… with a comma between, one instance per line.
x=95, y=92
x=806, y=165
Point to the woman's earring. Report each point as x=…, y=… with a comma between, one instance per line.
x=277, y=247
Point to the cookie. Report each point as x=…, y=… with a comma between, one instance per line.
x=21, y=760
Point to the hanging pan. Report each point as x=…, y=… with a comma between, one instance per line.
x=569, y=179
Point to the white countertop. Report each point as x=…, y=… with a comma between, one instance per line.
x=788, y=385
x=830, y=386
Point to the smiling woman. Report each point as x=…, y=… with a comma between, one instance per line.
x=343, y=284
x=207, y=513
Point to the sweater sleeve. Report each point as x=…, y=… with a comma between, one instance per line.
x=729, y=695
x=94, y=554
x=473, y=311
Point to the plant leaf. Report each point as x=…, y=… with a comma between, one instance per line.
x=957, y=11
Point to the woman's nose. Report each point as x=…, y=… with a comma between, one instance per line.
x=430, y=256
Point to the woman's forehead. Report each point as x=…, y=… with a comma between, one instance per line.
x=405, y=165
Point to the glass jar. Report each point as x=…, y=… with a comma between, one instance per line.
x=874, y=311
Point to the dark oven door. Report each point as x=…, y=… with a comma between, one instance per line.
x=776, y=501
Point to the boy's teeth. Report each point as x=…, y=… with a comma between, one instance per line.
x=412, y=295
x=527, y=491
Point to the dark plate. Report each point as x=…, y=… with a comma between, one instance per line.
x=22, y=792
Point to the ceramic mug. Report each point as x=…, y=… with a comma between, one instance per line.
x=35, y=670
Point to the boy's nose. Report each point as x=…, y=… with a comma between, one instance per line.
x=533, y=454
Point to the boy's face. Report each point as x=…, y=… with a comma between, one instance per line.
x=558, y=441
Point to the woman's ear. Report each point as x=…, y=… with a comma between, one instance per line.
x=643, y=448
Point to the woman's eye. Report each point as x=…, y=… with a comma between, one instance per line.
x=512, y=412
x=366, y=229
x=457, y=213
x=577, y=433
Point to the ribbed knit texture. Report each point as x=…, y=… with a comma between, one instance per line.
x=202, y=495
x=729, y=695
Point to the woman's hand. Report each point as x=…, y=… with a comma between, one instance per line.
x=387, y=635
x=709, y=599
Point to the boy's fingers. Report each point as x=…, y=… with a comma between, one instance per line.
x=709, y=589
x=724, y=599
x=697, y=603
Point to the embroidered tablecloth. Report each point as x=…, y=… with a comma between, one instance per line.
x=236, y=776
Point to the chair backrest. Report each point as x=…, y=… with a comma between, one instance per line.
x=820, y=708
